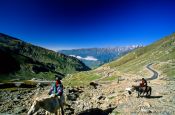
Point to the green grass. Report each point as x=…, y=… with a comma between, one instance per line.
x=10, y=89
x=80, y=79
x=110, y=78
x=3, y=80
x=112, y=97
x=29, y=82
x=167, y=69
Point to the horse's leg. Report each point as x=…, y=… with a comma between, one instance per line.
x=144, y=91
x=147, y=92
x=57, y=113
x=150, y=92
x=62, y=110
x=47, y=113
x=138, y=94
x=141, y=93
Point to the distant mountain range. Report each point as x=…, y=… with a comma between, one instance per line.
x=94, y=57
x=19, y=59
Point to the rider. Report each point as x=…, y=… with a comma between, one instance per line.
x=57, y=87
x=143, y=84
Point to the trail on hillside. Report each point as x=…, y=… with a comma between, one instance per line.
x=155, y=74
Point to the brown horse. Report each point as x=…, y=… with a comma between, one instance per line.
x=141, y=90
x=50, y=103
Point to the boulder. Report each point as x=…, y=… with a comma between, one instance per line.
x=93, y=84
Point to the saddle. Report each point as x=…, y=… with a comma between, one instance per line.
x=143, y=88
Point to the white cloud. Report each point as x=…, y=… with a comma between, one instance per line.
x=79, y=57
x=73, y=55
x=90, y=58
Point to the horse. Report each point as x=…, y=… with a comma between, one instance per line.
x=140, y=90
x=50, y=103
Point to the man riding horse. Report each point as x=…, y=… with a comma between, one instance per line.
x=143, y=85
x=142, y=88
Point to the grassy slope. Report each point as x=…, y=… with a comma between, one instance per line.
x=28, y=56
x=80, y=79
x=162, y=53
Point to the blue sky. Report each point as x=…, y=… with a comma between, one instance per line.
x=66, y=24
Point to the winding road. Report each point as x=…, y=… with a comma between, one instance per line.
x=155, y=74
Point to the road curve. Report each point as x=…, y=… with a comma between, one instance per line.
x=155, y=74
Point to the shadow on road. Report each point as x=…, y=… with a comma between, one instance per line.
x=152, y=97
x=96, y=111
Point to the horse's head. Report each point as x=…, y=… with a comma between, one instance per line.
x=35, y=107
x=134, y=87
x=130, y=90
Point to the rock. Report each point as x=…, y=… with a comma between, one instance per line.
x=146, y=104
x=93, y=84
x=34, y=79
x=69, y=111
x=72, y=97
x=122, y=106
x=101, y=97
x=18, y=110
x=145, y=110
x=18, y=96
x=73, y=90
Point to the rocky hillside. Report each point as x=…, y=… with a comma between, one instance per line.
x=23, y=60
x=94, y=57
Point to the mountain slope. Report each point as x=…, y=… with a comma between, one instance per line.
x=161, y=53
x=23, y=60
x=109, y=82
x=94, y=57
